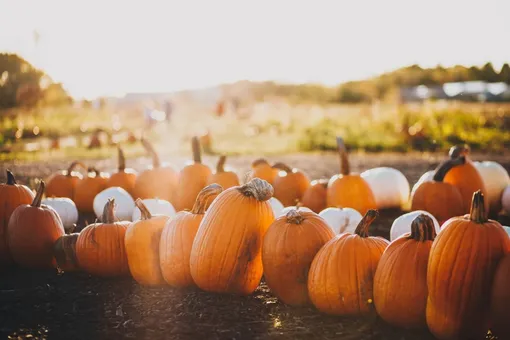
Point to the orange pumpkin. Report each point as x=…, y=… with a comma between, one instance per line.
x=500, y=300
x=400, y=282
x=124, y=178
x=12, y=195
x=349, y=190
x=462, y=264
x=465, y=177
x=340, y=280
x=260, y=168
x=100, y=248
x=290, y=244
x=192, y=179
x=439, y=198
x=142, y=246
x=32, y=231
x=226, y=254
x=87, y=189
x=159, y=181
x=290, y=184
x=226, y=179
x=63, y=183
x=178, y=236
x=64, y=251
x=315, y=197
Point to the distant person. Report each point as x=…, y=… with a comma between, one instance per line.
x=168, y=111
x=220, y=108
x=149, y=121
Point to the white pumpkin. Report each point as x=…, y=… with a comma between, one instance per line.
x=289, y=208
x=507, y=229
x=505, y=200
x=124, y=203
x=426, y=177
x=277, y=206
x=495, y=179
x=402, y=224
x=390, y=187
x=156, y=207
x=65, y=208
x=341, y=220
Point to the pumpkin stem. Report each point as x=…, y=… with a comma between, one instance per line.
x=294, y=216
x=156, y=162
x=258, y=162
x=109, y=212
x=204, y=196
x=195, y=148
x=459, y=150
x=364, y=224
x=345, y=168
x=38, y=196
x=220, y=167
x=446, y=166
x=478, y=213
x=11, y=180
x=122, y=159
x=257, y=188
x=422, y=229
x=146, y=214
x=282, y=166
x=73, y=166
x=94, y=170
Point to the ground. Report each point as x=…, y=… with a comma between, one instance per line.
x=41, y=304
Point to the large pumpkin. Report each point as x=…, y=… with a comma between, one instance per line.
x=461, y=268
x=178, y=236
x=32, y=231
x=315, y=197
x=290, y=184
x=290, y=244
x=226, y=179
x=226, y=253
x=500, y=300
x=142, y=246
x=400, y=282
x=64, y=251
x=100, y=248
x=349, y=190
x=12, y=195
x=340, y=280
x=260, y=168
x=124, y=178
x=63, y=183
x=192, y=179
x=88, y=188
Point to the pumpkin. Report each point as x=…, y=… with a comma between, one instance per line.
x=500, y=300
x=341, y=220
x=315, y=197
x=63, y=183
x=349, y=190
x=226, y=253
x=441, y=199
x=100, y=248
x=402, y=224
x=389, y=186
x=156, y=207
x=260, y=168
x=66, y=210
x=400, y=282
x=12, y=195
x=124, y=178
x=142, y=247
x=87, y=189
x=277, y=206
x=32, y=232
x=64, y=251
x=178, y=236
x=340, y=280
x=286, y=210
x=158, y=181
x=226, y=179
x=465, y=177
x=495, y=179
x=507, y=229
x=290, y=184
x=426, y=177
x=290, y=244
x=192, y=179
x=124, y=203
x=461, y=268
x=505, y=200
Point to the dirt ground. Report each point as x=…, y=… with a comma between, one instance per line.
x=43, y=304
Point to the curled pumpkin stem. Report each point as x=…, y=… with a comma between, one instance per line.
x=422, y=229
x=11, y=180
x=204, y=196
x=156, y=162
x=73, y=167
x=258, y=162
x=478, y=213
x=446, y=166
x=122, y=159
x=146, y=214
x=109, y=212
x=459, y=150
x=257, y=188
x=294, y=216
x=282, y=166
x=38, y=196
x=366, y=221
x=195, y=148
x=345, y=167
x=220, y=167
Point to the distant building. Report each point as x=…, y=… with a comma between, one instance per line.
x=463, y=91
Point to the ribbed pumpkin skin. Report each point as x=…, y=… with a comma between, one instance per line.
x=86, y=190
x=192, y=179
x=350, y=191
x=468, y=180
x=125, y=179
x=160, y=182
x=289, y=187
x=315, y=197
x=227, y=179
x=442, y=200
x=500, y=300
x=288, y=251
x=62, y=185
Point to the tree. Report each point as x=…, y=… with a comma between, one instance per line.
x=504, y=74
x=489, y=74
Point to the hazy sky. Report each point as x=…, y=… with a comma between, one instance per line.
x=115, y=46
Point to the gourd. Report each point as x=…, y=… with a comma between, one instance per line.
x=226, y=179
x=290, y=244
x=277, y=206
x=505, y=200
x=124, y=178
x=500, y=300
x=88, y=188
x=260, y=168
x=178, y=236
x=315, y=197
x=495, y=179
x=462, y=264
x=341, y=220
x=124, y=203
x=156, y=207
x=402, y=224
x=63, y=183
x=64, y=251
x=66, y=210
x=349, y=190
x=389, y=186
x=226, y=253
x=290, y=184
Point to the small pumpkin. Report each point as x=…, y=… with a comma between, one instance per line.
x=12, y=195
x=349, y=190
x=290, y=244
x=400, y=282
x=277, y=206
x=495, y=179
x=226, y=253
x=341, y=220
x=192, y=178
x=402, y=224
x=260, y=168
x=64, y=251
x=331, y=284
x=87, y=189
x=389, y=186
x=315, y=197
x=142, y=247
x=290, y=184
x=63, y=183
x=124, y=178
x=462, y=264
x=66, y=210
x=505, y=200
x=156, y=207
x=226, y=179
x=178, y=236
x=32, y=231
x=100, y=248
x=124, y=203
x=299, y=207
x=500, y=300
